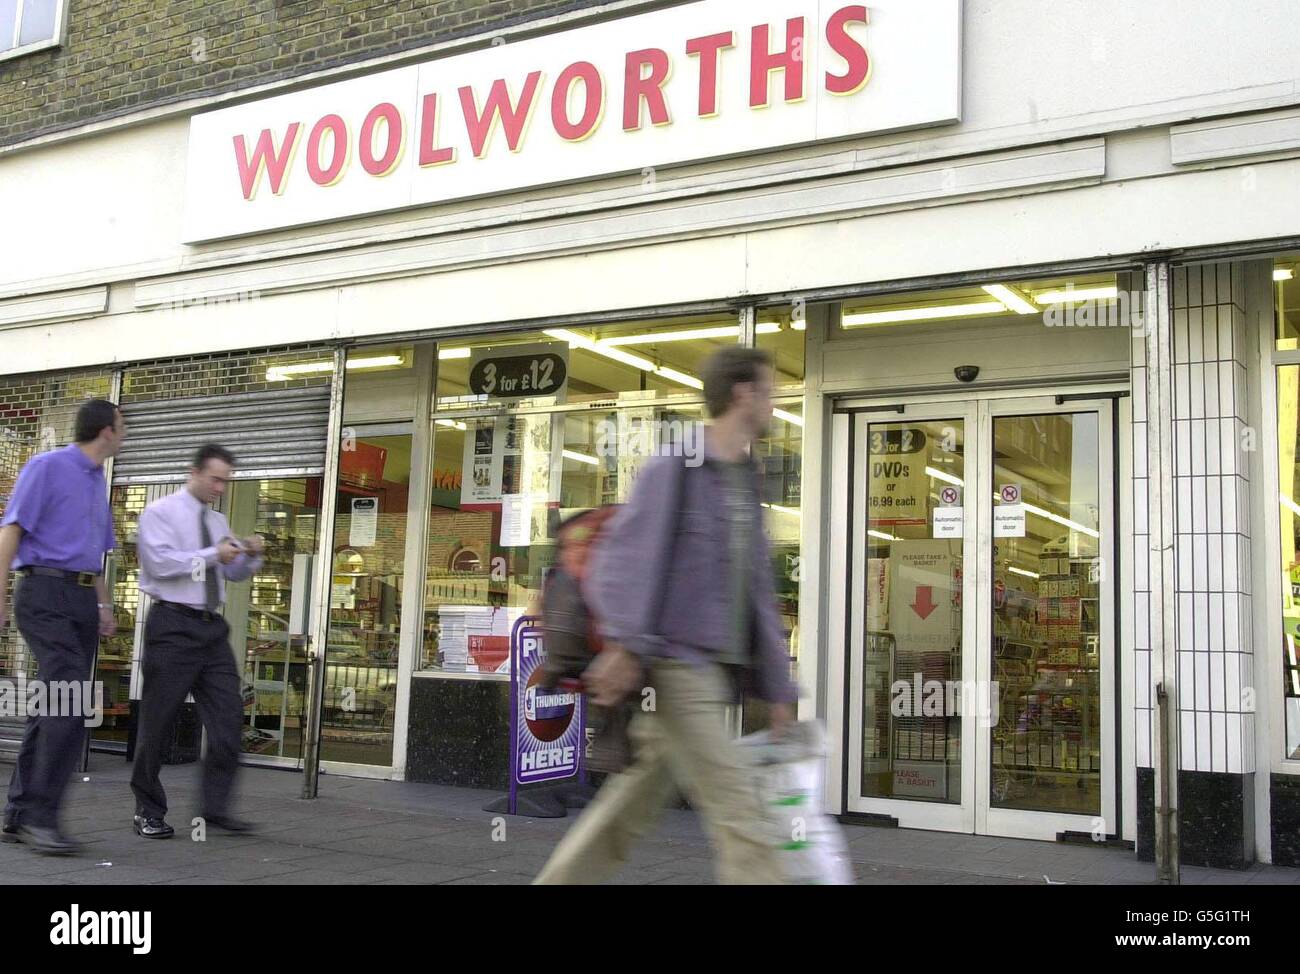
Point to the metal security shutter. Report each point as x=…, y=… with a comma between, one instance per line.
x=276, y=433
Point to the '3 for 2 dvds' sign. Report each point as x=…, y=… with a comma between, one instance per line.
x=520, y=371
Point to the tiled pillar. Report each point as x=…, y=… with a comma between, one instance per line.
x=1212, y=348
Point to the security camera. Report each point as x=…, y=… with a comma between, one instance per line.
x=966, y=373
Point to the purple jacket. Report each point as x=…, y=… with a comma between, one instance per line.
x=623, y=584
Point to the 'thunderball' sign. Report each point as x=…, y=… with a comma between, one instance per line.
x=548, y=720
x=702, y=80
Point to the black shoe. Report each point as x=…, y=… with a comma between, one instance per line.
x=9, y=833
x=45, y=840
x=148, y=827
x=228, y=823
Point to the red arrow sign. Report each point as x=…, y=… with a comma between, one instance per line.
x=924, y=603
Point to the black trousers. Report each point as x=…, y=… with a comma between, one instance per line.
x=59, y=622
x=182, y=655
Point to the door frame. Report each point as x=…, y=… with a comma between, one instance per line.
x=846, y=562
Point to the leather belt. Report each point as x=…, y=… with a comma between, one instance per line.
x=189, y=610
x=84, y=579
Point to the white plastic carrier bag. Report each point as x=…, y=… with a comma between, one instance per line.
x=810, y=846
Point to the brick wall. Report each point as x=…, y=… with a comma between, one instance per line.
x=124, y=55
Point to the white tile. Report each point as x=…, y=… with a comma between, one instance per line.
x=1140, y=450
x=1227, y=446
x=1140, y=501
x=1138, y=384
x=1198, y=503
x=1194, y=299
x=1228, y=495
x=1229, y=282
x=1186, y=621
x=1231, y=622
x=1187, y=741
x=1143, y=755
x=1213, y=501
x=1240, y=346
x=1211, y=331
x=1204, y=750
x=1217, y=665
x=1244, y=565
x=1246, y=638
x=1142, y=676
x=1141, y=564
x=1231, y=683
x=1185, y=563
x=1200, y=565
x=1195, y=338
x=1210, y=388
x=1243, y=505
x=1227, y=396
x=1198, y=447
x=1241, y=387
x=1182, y=448
x=1180, y=336
x=1138, y=356
x=1186, y=680
x=1201, y=663
x=1183, y=512
x=1196, y=389
x=1214, y=553
x=1247, y=744
x=1231, y=573
x=1142, y=621
x=1218, y=743
x=1215, y=625
x=1233, y=727
x=1182, y=392
x=1178, y=287
x=1224, y=315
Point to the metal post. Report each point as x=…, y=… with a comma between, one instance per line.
x=1162, y=615
x=322, y=579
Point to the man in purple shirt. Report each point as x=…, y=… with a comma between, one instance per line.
x=186, y=556
x=681, y=587
x=55, y=531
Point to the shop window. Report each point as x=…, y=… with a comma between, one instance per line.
x=1080, y=301
x=781, y=332
x=1286, y=280
x=1288, y=435
x=113, y=664
x=581, y=364
x=30, y=25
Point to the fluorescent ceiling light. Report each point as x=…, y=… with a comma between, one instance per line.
x=1022, y=571
x=788, y=417
x=581, y=458
x=1012, y=298
x=587, y=345
x=1065, y=521
x=881, y=535
x=1283, y=273
x=800, y=325
x=938, y=312
x=277, y=373
x=1289, y=503
x=1075, y=295
x=780, y=509
x=767, y=327
x=691, y=335
x=941, y=475
x=672, y=375
x=450, y=422
x=446, y=353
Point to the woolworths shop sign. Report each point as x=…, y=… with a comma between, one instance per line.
x=703, y=80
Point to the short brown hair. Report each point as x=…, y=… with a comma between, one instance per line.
x=727, y=368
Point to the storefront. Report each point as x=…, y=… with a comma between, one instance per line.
x=1021, y=469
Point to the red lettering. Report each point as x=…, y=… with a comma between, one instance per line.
x=265, y=155
x=858, y=62
x=430, y=154
x=514, y=117
x=648, y=89
x=333, y=172
x=709, y=51
x=764, y=61
x=593, y=87
x=394, y=136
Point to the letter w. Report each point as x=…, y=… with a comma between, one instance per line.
x=480, y=125
x=265, y=156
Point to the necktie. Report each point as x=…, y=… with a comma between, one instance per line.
x=211, y=594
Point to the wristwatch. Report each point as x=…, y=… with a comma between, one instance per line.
x=104, y=605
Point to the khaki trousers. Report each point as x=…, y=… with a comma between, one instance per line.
x=683, y=742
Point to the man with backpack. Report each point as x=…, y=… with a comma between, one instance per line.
x=682, y=593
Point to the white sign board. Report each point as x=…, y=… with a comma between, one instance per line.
x=1009, y=514
x=365, y=521
x=697, y=81
x=949, y=522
